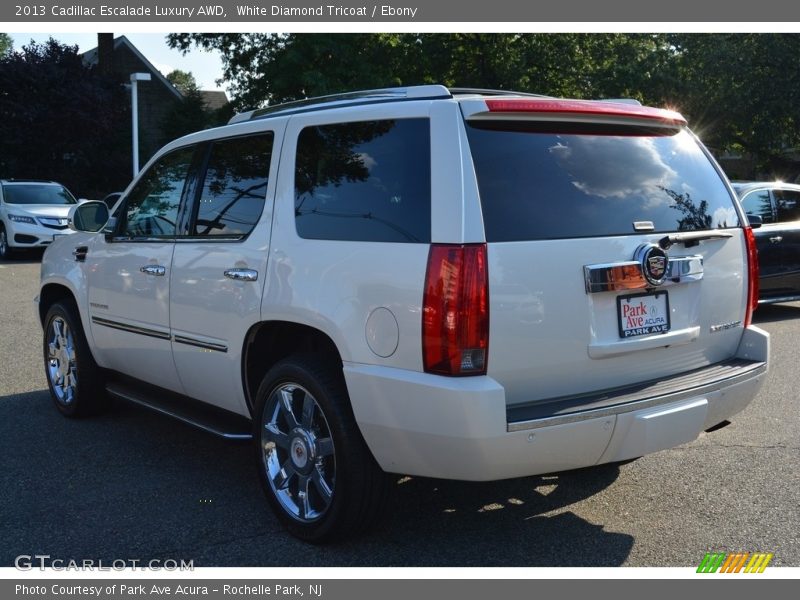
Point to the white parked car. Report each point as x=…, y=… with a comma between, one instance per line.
x=32, y=214
x=446, y=283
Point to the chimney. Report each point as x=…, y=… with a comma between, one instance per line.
x=105, y=53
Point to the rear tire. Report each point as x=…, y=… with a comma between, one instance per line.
x=319, y=477
x=76, y=382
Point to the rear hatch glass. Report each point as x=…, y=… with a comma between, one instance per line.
x=539, y=185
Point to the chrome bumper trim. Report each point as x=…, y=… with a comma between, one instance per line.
x=630, y=402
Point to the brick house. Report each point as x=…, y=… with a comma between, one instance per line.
x=157, y=97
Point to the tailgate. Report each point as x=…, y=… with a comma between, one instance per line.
x=615, y=251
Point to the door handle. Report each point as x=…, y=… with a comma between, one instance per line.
x=776, y=239
x=241, y=274
x=156, y=270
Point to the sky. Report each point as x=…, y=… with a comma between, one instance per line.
x=205, y=66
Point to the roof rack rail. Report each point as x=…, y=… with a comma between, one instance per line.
x=418, y=92
x=483, y=92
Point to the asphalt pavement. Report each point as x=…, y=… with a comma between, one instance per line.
x=134, y=485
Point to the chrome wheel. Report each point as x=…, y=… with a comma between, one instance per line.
x=61, y=363
x=298, y=452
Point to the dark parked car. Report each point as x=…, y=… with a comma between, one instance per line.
x=778, y=238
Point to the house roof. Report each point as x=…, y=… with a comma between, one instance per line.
x=214, y=99
x=90, y=58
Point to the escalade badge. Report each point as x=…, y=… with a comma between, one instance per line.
x=654, y=262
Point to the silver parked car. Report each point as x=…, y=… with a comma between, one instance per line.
x=32, y=214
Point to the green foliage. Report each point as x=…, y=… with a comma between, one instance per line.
x=62, y=120
x=183, y=80
x=264, y=67
x=6, y=43
x=187, y=117
x=740, y=93
x=192, y=114
x=738, y=90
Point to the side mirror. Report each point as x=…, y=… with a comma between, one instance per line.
x=90, y=216
x=755, y=221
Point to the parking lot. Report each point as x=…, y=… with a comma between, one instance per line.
x=134, y=485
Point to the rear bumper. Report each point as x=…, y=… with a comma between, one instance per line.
x=458, y=428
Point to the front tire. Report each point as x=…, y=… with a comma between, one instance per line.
x=318, y=475
x=76, y=382
x=5, y=248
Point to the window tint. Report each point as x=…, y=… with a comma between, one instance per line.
x=367, y=181
x=235, y=186
x=544, y=185
x=787, y=203
x=758, y=203
x=152, y=205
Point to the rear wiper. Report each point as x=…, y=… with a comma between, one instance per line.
x=691, y=238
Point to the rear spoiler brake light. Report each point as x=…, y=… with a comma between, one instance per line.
x=585, y=107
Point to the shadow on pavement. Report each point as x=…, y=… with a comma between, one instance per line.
x=771, y=313
x=135, y=485
x=23, y=257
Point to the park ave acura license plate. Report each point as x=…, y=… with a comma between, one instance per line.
x=643, y=314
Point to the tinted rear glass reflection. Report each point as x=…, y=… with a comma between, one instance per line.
x=365, y=181
x=545, y=185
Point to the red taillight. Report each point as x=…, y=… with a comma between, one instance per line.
x=585, y=107
x=752, y=275
x=455, y=310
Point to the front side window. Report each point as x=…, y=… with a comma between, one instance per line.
x=364, y=181
x=37, y=193
x=151, y=209
x=235, y=186
x=787, y=203
x=758, y=203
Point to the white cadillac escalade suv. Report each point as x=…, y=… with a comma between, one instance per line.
x=437, y=282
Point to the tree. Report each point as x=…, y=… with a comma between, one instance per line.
x=265, y=68
x=6, y=43
x=740, y=92
x=183, y=80
x=62, y=120
x=192, y=114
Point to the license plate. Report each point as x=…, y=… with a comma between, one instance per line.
x=643, y=314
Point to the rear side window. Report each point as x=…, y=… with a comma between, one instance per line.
x=758, y=203
x=787, y=203
x=364, y=181
x=235, y=186
x=538, y=185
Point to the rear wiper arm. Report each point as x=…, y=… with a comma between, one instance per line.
x=691, y=238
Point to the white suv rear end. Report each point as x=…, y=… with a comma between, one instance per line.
x=453, y=284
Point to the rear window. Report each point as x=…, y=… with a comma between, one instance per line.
x=34, y=193
x=538, y=185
